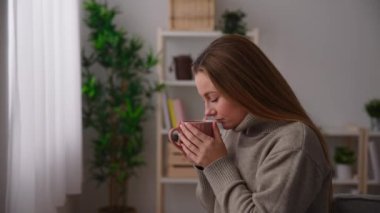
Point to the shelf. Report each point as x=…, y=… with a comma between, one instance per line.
x=202, y=34
x=168, y=180
x=182, y=83
x=190, y=34
x=345, y=182
x=374, y=182
x=374, y=134
x=337, y=132
x=349, y=131
x=254, y=34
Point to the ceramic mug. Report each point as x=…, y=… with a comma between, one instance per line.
x=203, y=126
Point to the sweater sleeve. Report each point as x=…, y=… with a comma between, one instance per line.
x=204, y=192
x=287, y=181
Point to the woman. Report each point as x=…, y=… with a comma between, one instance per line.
x=272, y=157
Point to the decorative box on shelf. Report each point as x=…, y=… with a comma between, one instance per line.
x=192, y=15
x=177, y=165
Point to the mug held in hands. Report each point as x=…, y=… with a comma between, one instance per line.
x=203, y=126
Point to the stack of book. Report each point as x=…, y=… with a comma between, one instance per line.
x=173, y=111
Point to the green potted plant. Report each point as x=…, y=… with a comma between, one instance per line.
x=232, y=22
x=117, y=98
x=344, y=158
x=373, y=110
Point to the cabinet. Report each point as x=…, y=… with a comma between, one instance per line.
x=169, y=44
x=357, y=139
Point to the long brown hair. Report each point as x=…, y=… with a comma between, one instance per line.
x=242, y=72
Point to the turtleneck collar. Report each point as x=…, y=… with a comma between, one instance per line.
x=253, y=124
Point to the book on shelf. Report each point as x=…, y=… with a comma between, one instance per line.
x=165, y=110
x=173, y=120
x=178, y=110
x=374, y=160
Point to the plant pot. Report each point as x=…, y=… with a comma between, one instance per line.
x=117, y=209
x=375, y=124
x=343, y=171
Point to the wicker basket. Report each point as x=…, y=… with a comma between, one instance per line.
x=192, y=15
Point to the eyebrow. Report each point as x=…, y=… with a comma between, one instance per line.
x=207, y=94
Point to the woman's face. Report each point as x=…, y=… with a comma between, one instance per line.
x=225, y=111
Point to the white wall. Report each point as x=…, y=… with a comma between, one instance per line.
x=328, y=50
x=3, y=103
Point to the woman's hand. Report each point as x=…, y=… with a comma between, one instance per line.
x=200, y=148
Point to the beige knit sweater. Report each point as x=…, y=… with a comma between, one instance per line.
x=271, y=167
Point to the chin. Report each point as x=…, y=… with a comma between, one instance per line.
x=226, y=126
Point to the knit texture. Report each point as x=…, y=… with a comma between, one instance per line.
x=271, y=167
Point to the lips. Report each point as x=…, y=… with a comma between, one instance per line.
x=219, y=120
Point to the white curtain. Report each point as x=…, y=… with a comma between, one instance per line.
x=45, y=148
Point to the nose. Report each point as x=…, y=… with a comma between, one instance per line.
x=209, y=111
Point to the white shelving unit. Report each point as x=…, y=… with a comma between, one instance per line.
x=184, y=43
x=375, y=137
x=352, y=137
x=358, y=138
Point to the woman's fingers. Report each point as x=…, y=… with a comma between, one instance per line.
x=216, y=131
x=191, y=133
x=186, y=143
x=195, y=144
x=199, y=136
x=188, y=153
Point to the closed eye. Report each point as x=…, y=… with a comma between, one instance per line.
x=214, y=100
x=211, y=97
